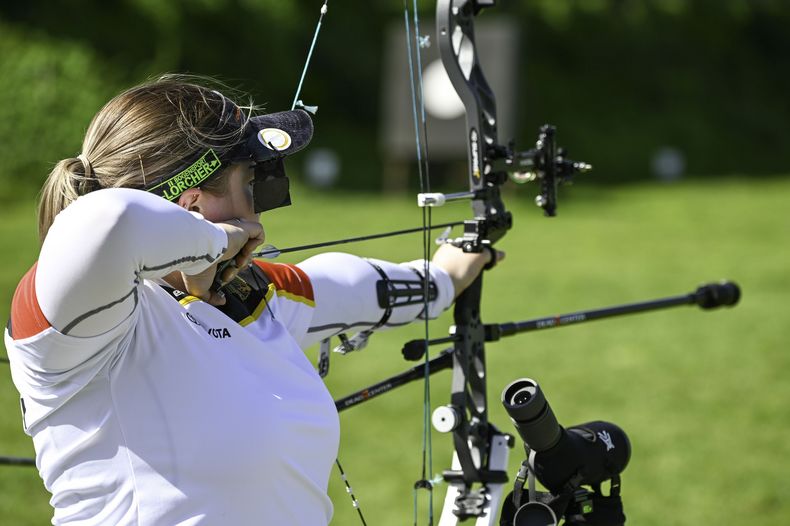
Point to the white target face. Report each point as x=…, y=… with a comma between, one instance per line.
x=441, y=100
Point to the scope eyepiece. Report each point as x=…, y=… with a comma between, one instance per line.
x=531, y=414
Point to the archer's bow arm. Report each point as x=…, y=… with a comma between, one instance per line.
x=356, y=294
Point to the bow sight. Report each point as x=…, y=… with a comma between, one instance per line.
x=546, y=163
x=489, y=162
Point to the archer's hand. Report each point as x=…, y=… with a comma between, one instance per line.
x=243, y=238
x=463, y=267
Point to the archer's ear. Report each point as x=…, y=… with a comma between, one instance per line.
x=190, y=199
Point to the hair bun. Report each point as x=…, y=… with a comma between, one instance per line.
x=87, y=169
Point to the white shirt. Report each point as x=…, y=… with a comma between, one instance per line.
x=150, y=407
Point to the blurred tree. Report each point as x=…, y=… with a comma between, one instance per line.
x=620, y=79
x=49, y=90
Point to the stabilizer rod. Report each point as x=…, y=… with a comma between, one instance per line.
x=709, y=296
x=440, y=363
x=17, y=461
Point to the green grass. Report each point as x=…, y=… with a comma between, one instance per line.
x=702, y=395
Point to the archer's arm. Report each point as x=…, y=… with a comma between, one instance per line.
x=462, y=267
x=101, y=247
x=347, y=297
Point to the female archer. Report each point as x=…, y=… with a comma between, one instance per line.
x=160, y=367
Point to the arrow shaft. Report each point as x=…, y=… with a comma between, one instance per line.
x=263, y=253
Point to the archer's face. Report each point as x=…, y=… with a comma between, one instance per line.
x=237, y=201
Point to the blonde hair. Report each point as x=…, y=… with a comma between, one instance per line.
x=145, y=133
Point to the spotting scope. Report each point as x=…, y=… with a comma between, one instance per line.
x=584, y=454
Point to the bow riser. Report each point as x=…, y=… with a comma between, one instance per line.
x=472, y=434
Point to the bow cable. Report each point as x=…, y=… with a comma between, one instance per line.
x=421, y=140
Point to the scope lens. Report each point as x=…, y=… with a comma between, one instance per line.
x=522, y=396
x=531, y=414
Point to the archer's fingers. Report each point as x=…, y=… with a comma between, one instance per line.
x=228, y=272
x=243, y=237
x=494, y=257
x=256, y=237
x=245, y=256
x=249, y=247
x=215, y=297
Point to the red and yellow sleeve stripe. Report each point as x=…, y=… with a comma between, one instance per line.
x=289, y=281
x=26, y=317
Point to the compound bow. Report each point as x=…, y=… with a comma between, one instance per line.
x=480, y=456
x=481, y=451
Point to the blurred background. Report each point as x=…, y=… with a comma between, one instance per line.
x=682, y=107
x=658, y=88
